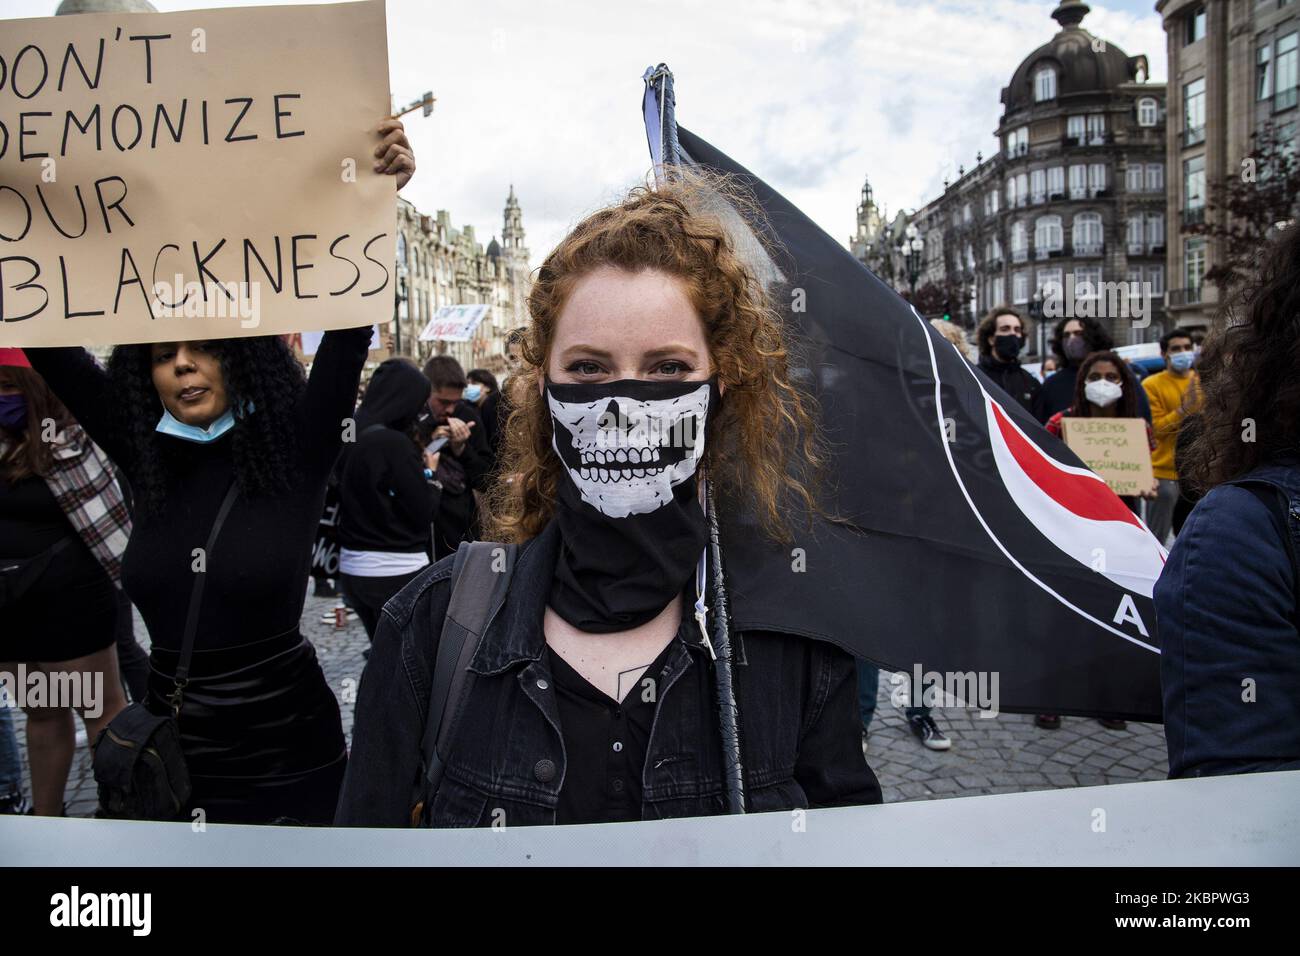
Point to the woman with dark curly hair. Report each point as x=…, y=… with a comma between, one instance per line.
x=1227, y=600
x=655, y=356
x=186, y=421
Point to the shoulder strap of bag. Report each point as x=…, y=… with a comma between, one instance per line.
x=196, y=600
x=477, y=593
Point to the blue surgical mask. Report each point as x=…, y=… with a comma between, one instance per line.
x=473, y=393
x=13, y=412
x=169, y=425
x=1181, y=361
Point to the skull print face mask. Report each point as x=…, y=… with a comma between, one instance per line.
x=629, y=515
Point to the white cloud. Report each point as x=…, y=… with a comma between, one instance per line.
x=811, y=96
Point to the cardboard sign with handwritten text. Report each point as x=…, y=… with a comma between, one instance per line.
x=1117, y=449
x=189, y=175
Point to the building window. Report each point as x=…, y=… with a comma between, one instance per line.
x=1050, y=284
x=1048, y=236
x=1011, y=191
x=1038, y=186
x=1020, y=287
x=1087, y=282
x=1155, y=231
x=1156, y=276
x=1096, y=179
x=966, y=213
x=1194, y=112
x=996, y=291
x=1155, y=177
x=1022, y=189
x=1096, y=129
x=1264, y=72
x=1135, y=179
x=993, y=198
x=1286, y=72
x=1195, y=26
x=1079, y=182
x=1135, y=241
x=1194, y=265
x=1148, y=111
x=1019, y=242
x=1074, y=130
x=1194, y=185
x=1056, y=182
x=1018, y=142
x=1087, y=234
x=1045, y=84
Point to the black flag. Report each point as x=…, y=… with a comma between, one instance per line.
x=967, y=539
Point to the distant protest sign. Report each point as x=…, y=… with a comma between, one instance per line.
x=190, y=175
x=1117, y=449
x=454, y=323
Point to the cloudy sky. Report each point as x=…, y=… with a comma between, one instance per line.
x=811, y=95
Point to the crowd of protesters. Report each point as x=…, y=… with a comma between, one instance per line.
x=111, y=478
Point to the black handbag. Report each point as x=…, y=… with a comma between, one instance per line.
x=138, y=762
x=17, y=575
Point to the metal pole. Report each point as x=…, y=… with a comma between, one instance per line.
x=728, y=712
x=724, y=689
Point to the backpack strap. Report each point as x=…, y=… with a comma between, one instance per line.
x=477, y=592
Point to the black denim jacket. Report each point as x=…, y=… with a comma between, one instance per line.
x=800, y=731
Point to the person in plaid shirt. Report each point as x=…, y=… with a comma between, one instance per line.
x=63, y=529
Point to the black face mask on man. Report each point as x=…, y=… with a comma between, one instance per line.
x=1007, y=347
x=630, y=520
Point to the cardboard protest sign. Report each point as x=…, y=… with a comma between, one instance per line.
x=188, y=175
x=1117, y=449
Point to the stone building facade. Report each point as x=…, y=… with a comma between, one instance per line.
x=1232, y=69
x=438, y=265
x=1069, y=215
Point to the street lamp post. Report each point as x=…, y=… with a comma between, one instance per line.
x=398, y=299
x=910, y=250
x=1036, y=314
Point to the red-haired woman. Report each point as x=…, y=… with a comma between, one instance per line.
x=654, y=357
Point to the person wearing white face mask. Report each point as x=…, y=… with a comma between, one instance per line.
x=1105, y=388
x=1173, y=394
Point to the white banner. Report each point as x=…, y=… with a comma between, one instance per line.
x=454, y=323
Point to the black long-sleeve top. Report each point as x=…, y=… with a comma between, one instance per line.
x=257, y=571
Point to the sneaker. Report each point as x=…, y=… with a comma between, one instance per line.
x=928, y=732
x=1113, y=724
x=15, y=804
x=1048, y=721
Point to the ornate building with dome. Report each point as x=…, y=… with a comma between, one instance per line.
x=438, y=265
x=1069, y=214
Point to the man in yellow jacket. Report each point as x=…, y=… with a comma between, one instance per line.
x=1173, y=394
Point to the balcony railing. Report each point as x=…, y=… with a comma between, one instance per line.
x=1193, y=216
x=1019, y=255
x=1188, y=296
x=1193, y=136
x=1284, y=99
x=1137, y=249
x=1087, y=248
x=1038, y=198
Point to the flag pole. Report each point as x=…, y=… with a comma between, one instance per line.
x=660, y=79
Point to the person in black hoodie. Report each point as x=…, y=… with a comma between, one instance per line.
x=1001, y=336
x=465, y=461
x=1073, y=340
x=387, y=492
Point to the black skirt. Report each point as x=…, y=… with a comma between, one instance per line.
x=69, y=612
x=260, y=730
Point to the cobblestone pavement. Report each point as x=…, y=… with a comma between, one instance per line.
x=1003, y=754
